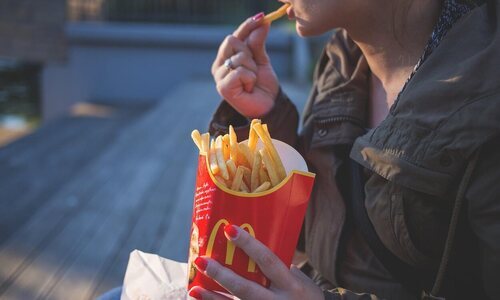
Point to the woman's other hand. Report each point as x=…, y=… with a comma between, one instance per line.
x=242, y=70
x=285, y=283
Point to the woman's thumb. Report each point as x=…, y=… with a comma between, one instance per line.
x=257, y=43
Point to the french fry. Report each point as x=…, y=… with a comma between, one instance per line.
x=237, y=180
x=221, y=180
x=242, y=160
x=254, y=180
x=280, y=12
x=252, y=136
x=233, y=144
x=212, y=159
x=268, y=143
x=220, y=158
x=264, y=126
x=247, y=175
x=240, y=166
x=271, y=169
x=196, y=136
x=205, y=142
x=225, y=146
x=245, y=151
x=263, y=187
x=263, y=175
x=244, y=188
x=231, y=167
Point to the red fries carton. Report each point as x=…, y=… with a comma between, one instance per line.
x=273, y=217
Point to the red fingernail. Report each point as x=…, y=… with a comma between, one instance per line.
x=258, y=16
x=231, y=231
x=195, y=294
x=201, y=263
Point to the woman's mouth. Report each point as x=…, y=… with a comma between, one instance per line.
x=290, y=13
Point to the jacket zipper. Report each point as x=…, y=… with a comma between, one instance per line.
x=325, y=122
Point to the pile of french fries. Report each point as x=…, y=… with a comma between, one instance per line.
x=240, y=166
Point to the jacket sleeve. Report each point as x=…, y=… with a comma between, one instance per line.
x=343, y=294
x=483, y=197
x=282, y=120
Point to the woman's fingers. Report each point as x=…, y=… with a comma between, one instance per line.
x=268, y=262
x=235, y=284
x=241, y=59
x=230, y=46
x=250, y=24
x=254, y=32
x=231, y=85
x=201, y=293
x=256, y=41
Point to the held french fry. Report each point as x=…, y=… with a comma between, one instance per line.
x=205, y=142
x=271, y=169
x=238, y=178
x=280, y=169
x=196, y=136
x=263, y=187
x=233, y=144
x=254, y=179
x=219, y=154
x=280, y=12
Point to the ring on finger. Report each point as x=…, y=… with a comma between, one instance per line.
x=228, y=63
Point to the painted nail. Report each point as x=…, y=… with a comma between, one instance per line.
x=201, y=263
x=195, y=294
x=258, y=16
x=231, y=231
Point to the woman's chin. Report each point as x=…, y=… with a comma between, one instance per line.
x=304, y=31
x=301, y=30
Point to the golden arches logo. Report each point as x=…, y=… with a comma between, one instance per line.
x=230, y=248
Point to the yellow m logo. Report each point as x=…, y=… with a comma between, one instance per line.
x=230, y=248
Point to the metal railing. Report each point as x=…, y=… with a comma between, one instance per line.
x=167, y=11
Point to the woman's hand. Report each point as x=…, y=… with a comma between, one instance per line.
x=249, y=84
x=285, y=283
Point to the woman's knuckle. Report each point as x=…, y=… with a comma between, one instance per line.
x=220, y=88
x=241, y=290
x=296, y=287
x=267, y=259
x=214, y=272
x=239, y=71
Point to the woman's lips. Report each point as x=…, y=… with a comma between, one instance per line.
x=290, y=13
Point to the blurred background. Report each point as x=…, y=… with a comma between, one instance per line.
x=97, y=101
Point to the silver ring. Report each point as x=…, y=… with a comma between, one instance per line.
x=228, y=63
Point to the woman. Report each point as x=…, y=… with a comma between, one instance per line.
x=402, y=130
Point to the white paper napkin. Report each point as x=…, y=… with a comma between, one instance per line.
x=151, y=277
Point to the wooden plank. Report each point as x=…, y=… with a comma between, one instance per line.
x=30, y=187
